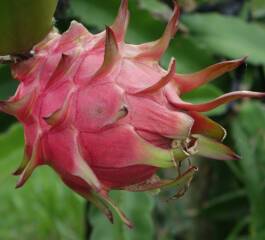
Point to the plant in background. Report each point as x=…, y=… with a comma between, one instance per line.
x=105, y=115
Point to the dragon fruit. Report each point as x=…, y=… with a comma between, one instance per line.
x=105, y=115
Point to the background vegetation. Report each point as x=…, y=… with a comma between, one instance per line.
x=226, y=199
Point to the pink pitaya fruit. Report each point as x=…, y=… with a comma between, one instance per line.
x=105, y=115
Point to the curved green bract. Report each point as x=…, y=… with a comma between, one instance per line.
x=24, y=23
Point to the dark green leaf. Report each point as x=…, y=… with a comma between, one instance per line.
x=228, y=36
x=249, y=135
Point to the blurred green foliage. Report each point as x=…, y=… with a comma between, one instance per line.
x=138, y=207
x=44, y=208
x=226, y=199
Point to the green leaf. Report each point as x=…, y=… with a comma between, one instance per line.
x=190, y=56
x=249, y=135
x=228, y=36
x=234, y=235
x=138, y=207
x=7, y=88
x=7, y=84
x=258, y=8
x=156, y=7
x=11, y=150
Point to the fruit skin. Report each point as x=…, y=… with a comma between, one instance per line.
x=24, y=23
x=105, y=115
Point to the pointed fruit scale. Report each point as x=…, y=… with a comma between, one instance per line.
x=162, y=82
x=154, y=50
x=120, y=213
x=188, y=82
x=111, y=55
x=32, y=164
x=60, y=115
x=207, y=127
x=24, y=23
x=120, y=24
x=94, y=199
x=23, y=164
x=213, y=149
x=165, y=159
x=111, y=47
x=55, y=118
x=151, y=185
x=81, y=168
x=103, y=202
x=19, y=108
x=25, y=175
x=226, y=98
